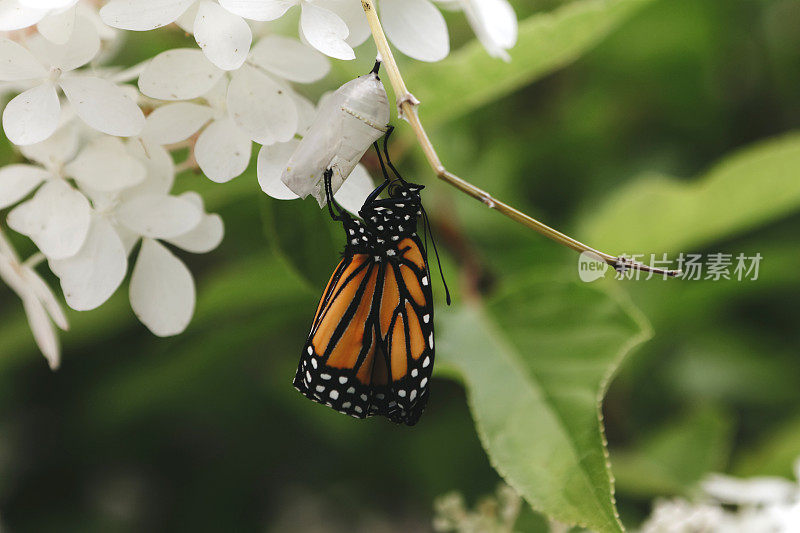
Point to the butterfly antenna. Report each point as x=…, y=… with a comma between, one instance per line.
x=428, y=230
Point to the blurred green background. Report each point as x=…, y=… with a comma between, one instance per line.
x=611, y=142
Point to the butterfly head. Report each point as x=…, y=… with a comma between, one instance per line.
x=404, y=190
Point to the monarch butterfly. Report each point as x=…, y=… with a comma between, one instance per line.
x=371, y=346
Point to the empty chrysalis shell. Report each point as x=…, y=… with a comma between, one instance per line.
x=347, y=123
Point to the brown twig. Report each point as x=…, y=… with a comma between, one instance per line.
x=407, y=106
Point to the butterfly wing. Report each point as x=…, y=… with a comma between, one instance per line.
x=336, y=367
x=406, y=330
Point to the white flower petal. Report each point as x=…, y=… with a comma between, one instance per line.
x=206, y=236
x=325, y=31
x=224, y=37
x=260, y=107
x=56, y=219
x=354, y=191
x=17, y=63
x=103, y=106
x=43, y=331
x=159, y=216
x=82, y=46
x=56, y=149
x=32, y=116
x=752, y=491
x=160, y=168
x=17, y=181
x=186, y=20
x=89, y=278
x=44, y=294
x=162, y=290
x=290, y=59
x=261, y=10
x=271, y=162
x=500, y=21
x=129, y=238
x=176, y=122
x=105, y=165
x=106, y=32
x=57, y=27
x=305, y=112
x=179, y=74
x=495, y=24
x=353, y=15
x=416, y=28
x=222, y=151
x=142, y=15
x=14, y=16
x=47, y=4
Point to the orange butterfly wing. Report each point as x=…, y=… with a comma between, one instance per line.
x=370, y=350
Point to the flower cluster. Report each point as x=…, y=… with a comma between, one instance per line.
x=497, y=513
x=93, y=187
x=731, y=505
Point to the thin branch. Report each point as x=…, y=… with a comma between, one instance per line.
x=407, y=109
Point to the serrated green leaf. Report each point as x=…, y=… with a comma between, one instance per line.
x=536, y=364
x=661, y=214
x=470, y=77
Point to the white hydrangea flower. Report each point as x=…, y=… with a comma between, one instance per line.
x=54, y=19
x=57, y=218
x=493, y=21
x=40, y=304
x=162, y=292
x=347, y=123
x=34, y=115
x=334, y=27
x=320, y=26
x=254, y=103
x=731, y=505
x=223, y=36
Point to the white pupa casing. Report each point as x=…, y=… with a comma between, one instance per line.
x=347, y=123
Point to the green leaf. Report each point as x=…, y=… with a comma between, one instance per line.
x=304, y=235
x=470, y=77
x=660, y=214
x=675, y=457
x=536, y=364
